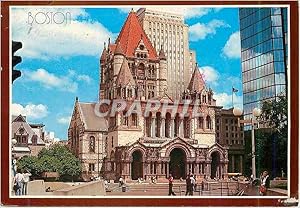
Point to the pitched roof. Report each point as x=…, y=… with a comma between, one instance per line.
x=125, y=77
x=90, y=119
x=112, y=47
x=119, y=49
x=20, y=122
x=197, y=83
x=103, y=55
x=131, y=34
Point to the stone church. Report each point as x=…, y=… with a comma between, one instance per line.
x=143, y=145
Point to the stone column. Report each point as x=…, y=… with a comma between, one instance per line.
x=153, y=127
x=197, y=165
x=162, y=127
x=168, y=171
x=232, y=164
x=172, y=127
x=158, y=168
x=241, y=164
x=181, y=131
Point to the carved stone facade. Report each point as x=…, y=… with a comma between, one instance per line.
x=178, y=137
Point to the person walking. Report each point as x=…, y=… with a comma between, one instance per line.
x=264, y=183
x=26, y=175
x=171, y=179
x=193, y=183
x=188, y=185
x=18, y=183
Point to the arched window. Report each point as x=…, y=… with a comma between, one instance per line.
x=92, y=144
x=200, y=123
x=134, y=119
x=204, y=98
x=125, y=119
x=112, y=142
x=34, y=139
x=141, y=70
x=208, y=122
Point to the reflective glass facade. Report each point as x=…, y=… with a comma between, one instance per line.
x=264, y=55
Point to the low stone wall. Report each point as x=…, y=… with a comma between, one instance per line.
x=36, y=187
x=274, y=183
x=56, y=185
x=93, y=188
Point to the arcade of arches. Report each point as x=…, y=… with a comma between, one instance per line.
x=177, y=157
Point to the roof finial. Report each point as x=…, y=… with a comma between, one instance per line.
x=132, y=10
x=76, y=99
x=108, y=41
x=104, y=45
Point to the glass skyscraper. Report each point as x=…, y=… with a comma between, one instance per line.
x=264, y=52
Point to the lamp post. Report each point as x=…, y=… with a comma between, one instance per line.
x=13, y=143
x=256, y=113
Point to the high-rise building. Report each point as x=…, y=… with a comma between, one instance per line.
x=264, y=55
x=169, y=31
x=230, y=134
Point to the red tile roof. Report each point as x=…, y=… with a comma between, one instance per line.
x=131, y=34
x=197, y=83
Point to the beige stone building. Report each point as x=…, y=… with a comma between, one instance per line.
x=168, y=30
x=86, y=138
x=142, y=145
x=29, y=137
x=229, y=134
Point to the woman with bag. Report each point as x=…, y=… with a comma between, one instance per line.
x=264, y=177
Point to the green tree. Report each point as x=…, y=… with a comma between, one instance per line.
x=31, y=164
x=57, y=158
x=272, y=143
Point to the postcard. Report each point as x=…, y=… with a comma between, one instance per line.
x=153, y=103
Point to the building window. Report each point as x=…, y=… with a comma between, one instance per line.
x=134, y=119
x=91, y=167
x=232, y=135
x=218, y=134
x=208, y=122
x=218, y=127
x=34, y=139
x=112, y=142
x=227, y=141
x=226, y=120
x=226, y=127
x=217, y=120
x=200, y=123
x=231, y=128
x=92, y=144
x=226, y=134
x=125, y=119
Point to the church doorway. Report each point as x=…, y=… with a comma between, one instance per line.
x=137, y=165
x=215, y=165
x=177, y=163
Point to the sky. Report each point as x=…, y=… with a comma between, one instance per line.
x=62, y=46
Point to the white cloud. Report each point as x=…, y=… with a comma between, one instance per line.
x=50, y=80
x=209, y=74
x=225, y=100
x=200, y=31
x=76, y=36
x=85, y=78
x=64, y=120
x=184, y=11
x=32, y=111
x=232, y=48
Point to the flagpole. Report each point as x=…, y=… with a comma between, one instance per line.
x=232, y=96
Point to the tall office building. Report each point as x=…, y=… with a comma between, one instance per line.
x=170, y=32
x=264, y=55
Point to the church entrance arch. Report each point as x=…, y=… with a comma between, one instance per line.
x=215, y=165
x=177, y=163
x=137, y=165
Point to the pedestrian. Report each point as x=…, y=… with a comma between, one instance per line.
x=18, y=183
x=264, y=183
x=193, y=182
x=188, y=185
x=26, y=175
x=121, y=181
x=171, y=192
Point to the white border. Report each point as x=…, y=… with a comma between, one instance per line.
x=149, y=6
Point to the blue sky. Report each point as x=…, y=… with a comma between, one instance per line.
x=61, y=61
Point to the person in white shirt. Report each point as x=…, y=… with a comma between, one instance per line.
x=18, y=183
x=26, y=175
